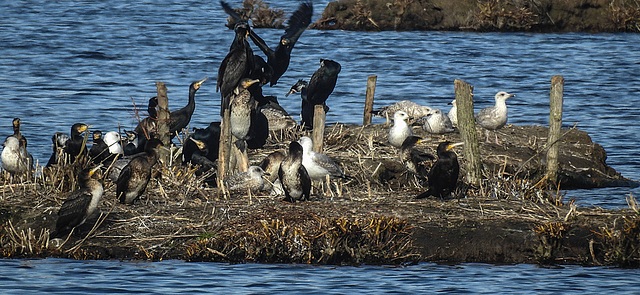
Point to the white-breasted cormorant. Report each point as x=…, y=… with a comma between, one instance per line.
x=134, y=144
x=181, y=118
x=271, y=164
x=134, y=177
x=443, y=175
x=81, y=203
x=148, y=127
x=293, y=176
x=15, y=157
x=400, y=129
x=242, y=105
x=99, y=150
x=437, y=123
x=494, y=117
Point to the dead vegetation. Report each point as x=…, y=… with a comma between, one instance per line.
x=371, y=219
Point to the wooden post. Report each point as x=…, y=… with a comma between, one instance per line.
x=318, y=128
x=368, y=103
x=164, y=116
x=225, y=147
x=555, y=124
x=468, y=133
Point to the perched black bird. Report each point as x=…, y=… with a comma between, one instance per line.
x=81, y=203
x=443, y=175
x=236, y=65
x=76, y=146
x=99, y=150
x=316, y=92
x=134, y=177
x=412, y=158
x=148, y=127
x=134, y=144
x=293, y=176
x=195, y=152
x=210, y=136
x=59, y=141
x=181, y=118
x=15, y=157
x=271, y=165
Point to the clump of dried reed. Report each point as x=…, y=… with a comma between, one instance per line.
x=620, y=243
x=383, y=240
x=625, y=15
x=505, y=15
x=23, y=243
x=261, y=15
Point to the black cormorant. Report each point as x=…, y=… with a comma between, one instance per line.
x=412, y=158
x=77, y=144
x=59, y=141
x=148, y=127
x=320, y=86
x=135, y=176
x=81, y=203
x=181, y=118
x=210, y=136
x=443, y=175
x=134, y=143
x=494, y=117
x=99, y=150
x=293, y=176
x=236, y=65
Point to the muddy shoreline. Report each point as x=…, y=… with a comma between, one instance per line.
x=372, y=219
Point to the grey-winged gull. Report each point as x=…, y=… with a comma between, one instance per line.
x=437, y=123
x=318, y=165
x=400, y=129
x=494, y=117
x=453, y=113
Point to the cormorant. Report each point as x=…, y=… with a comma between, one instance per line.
x=15, y=157
x=148, y=127
x=320, y=86
x=437, y=123
x=59, y=141
x=400, y=129
x=258, y=130
x=81, y=203
x=243, y=181
x=236, y=65
x=494, y=117
x=318, y=165
x=271, y=165
x=135, y=176
x=77, y=144
x=134, y=144
x=412, y=158
x=99, y=149
x=443, y=175
x=411, y=108
x=242, y=105
x=293, y=176
x=453, y=113
x=181, y=118
x=210, y=136
x=279, y=59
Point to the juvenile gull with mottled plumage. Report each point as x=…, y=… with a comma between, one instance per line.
x=243, y=181
x=411, y=108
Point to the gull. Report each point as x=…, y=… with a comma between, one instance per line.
x=494, y=117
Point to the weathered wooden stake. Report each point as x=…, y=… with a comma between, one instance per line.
x=225, y=147
x=318, y=128
x=468, y=133
x=555, y=123
x=164, y=116
x=368, y=103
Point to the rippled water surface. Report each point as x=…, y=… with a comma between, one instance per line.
x=63, y=62
x=58, y=276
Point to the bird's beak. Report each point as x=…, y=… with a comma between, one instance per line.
x=201, y=145
x=201, y=81
x=451, y=146
x=292, y=91
x=254, y=81
x=92, y=171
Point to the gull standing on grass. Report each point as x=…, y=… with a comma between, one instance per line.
x=494, y=117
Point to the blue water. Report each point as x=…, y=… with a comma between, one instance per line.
x=59, y=276
x=63, y=62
